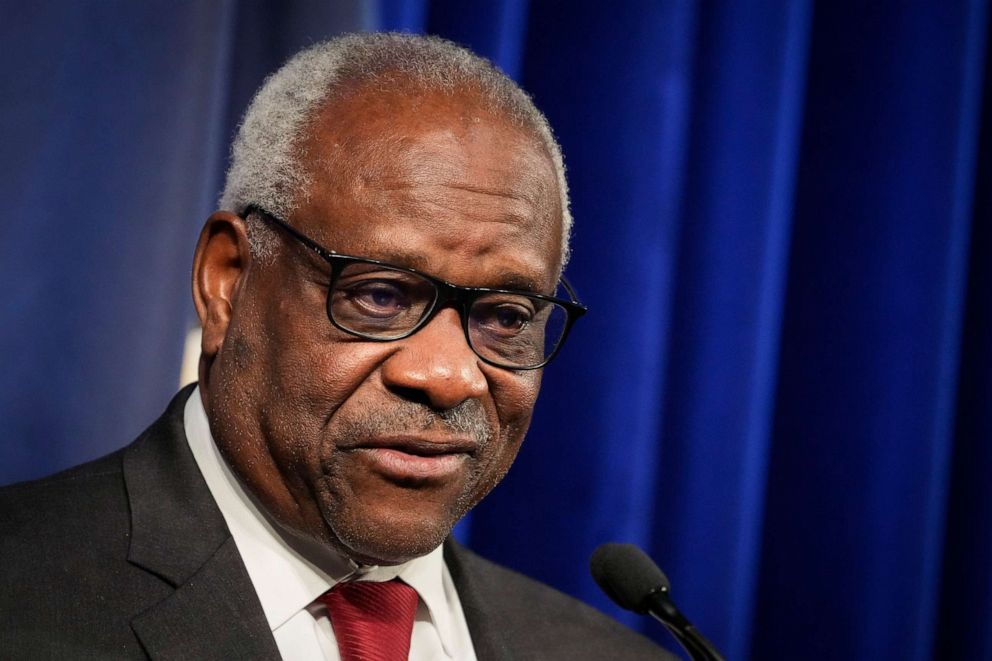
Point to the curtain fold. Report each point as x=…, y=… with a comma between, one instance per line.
x=732, y=275
x=783, y=389
x=107, y=150
x=873, y=321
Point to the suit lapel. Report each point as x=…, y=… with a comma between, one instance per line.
x=214, y=615
x=178, y=534
x=490, y=638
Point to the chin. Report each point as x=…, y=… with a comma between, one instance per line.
x=372, y=550
x=392, y=540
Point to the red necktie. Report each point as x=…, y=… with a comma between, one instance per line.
x=372, y=621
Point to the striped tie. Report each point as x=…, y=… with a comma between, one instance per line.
x=372, y=621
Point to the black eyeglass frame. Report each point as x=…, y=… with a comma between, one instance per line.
x=447, y=293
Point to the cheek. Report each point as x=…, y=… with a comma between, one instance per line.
x=304, y=370
x=515, y=394
x=313, y=366
x=310, y=387
x=515, y=398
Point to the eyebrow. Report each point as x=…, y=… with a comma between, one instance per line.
x=408, y=260
x=517, y=282
x=503, y=280
x=508, y=280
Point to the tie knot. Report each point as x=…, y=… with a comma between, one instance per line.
x=372, y=621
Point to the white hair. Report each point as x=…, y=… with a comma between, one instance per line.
x=265, y=169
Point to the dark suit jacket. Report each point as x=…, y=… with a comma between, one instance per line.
x=129, y=557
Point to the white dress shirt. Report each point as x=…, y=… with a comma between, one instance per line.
x=288, y=584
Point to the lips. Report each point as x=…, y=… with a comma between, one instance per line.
x=415, y=458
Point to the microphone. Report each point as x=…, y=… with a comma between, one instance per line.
x=633, y=581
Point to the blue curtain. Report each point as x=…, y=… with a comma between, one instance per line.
x=783, y=390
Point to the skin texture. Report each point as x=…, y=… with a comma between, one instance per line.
x=319, y=425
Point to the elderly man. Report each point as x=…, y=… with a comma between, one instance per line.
x=377, y=298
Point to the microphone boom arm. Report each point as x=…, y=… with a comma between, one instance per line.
x=661, y=607
x=631, y=579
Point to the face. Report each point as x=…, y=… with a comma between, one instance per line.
x=376, y=449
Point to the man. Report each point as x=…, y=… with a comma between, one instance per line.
x=352, y=405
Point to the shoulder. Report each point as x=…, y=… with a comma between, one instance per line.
x=65, y=505
x=69, y=531
x=79, y=497
x=519, y=617
x=69, y=587
x=76, y=524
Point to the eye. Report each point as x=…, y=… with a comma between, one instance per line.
x=511, y=317
x=503, y=318
x=378, y=297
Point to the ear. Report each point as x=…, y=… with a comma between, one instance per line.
x=219, y=266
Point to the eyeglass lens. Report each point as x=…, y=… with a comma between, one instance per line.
x=508, y=329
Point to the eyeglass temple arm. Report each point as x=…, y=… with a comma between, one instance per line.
x=571, y=291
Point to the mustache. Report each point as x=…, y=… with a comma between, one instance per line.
x=466, y=419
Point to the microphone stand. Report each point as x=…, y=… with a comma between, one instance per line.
x=661, y=607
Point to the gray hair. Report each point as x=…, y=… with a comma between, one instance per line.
x=265, y=167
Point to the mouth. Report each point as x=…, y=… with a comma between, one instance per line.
x=415, y=459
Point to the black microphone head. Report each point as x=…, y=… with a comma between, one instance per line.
x=627, y=575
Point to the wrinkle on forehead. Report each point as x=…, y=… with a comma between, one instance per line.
x=440, y=201
x=376, y=136
x=389, y=162
x=452, y=166
x=426, y=176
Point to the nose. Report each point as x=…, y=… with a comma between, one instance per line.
x=436, y=364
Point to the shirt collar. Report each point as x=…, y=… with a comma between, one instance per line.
x=285, y=580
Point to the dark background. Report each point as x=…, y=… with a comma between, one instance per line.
x=782, y=389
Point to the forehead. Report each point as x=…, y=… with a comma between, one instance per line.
x=432, y=179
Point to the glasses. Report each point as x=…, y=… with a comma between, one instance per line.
x=381, y=302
